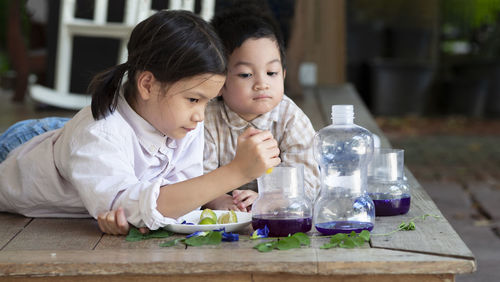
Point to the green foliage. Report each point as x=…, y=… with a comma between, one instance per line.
x=408, y=226
x=210, y=238
x=286, y=243
x=470, y=13
x=348, y=241
x=135, y=235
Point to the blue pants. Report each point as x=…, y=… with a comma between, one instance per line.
x=23, y=131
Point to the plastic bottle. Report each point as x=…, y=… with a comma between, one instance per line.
x=343, y=151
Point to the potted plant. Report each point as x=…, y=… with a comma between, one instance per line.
x=470, y=56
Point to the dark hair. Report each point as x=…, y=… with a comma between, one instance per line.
x=245, y=20
x=172, y=45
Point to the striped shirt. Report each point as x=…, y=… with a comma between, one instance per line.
x=288, y=124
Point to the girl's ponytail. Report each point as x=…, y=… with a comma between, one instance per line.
x=104, y=89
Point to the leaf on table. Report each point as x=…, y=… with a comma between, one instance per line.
x=303, y=238
x=288, y=243
x=135, y=235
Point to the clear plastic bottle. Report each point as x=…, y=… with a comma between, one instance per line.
x=282, y=204
x=343, y=151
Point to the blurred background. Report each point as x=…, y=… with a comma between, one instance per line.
x=428, y=71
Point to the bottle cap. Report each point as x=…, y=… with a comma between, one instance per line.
x=342, y=114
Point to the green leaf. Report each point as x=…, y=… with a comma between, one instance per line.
x=358, y=241
x=328, y=246
x=365, y=234
x=135, y=235
x=303, y=238
x=337, y=238
x=407, y=226
x=288, y=243
x=266, y=246
x=160, y=233
x=214, y=238
x=195, y=241
x=348, y=243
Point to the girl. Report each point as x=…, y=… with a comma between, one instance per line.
x=139, y=145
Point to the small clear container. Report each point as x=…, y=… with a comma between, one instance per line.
x=282, y=204
x=387, y=185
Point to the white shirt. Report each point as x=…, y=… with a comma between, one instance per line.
x=89, y=167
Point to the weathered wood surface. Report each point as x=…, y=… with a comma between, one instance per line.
x=75, y=249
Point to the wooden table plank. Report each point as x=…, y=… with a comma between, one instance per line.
x=171, y=261
x=57, y=234
x=11, y=224
x=433, y=236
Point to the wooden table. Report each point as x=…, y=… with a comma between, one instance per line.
x=43, y=249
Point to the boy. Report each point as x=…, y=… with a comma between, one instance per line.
x=253, y=97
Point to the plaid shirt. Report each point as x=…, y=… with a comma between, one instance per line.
x=288, y=124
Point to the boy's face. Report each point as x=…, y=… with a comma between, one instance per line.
x=254, y=84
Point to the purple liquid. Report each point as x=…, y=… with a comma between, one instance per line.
x=280, y=226
x=334, y=227
x=385, y=207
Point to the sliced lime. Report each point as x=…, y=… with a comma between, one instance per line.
x=208, y=213
x=207, y=220
x=229, y=217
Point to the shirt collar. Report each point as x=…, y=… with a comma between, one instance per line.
x=150, y=139
x=262, y=122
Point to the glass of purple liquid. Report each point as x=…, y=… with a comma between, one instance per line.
x=283, y=225
x=387, y=185
x=282, y=204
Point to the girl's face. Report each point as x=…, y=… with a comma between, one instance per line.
x=254, y=85
x=178, y=111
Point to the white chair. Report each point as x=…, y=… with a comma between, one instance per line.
x=69, y=26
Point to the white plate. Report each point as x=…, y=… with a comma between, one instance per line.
x=244, y=218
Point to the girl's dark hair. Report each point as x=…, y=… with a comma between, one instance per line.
x=172, y=45
x=244, y=20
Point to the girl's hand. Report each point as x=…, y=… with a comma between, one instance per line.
x=244, y=199
x=256, y=152
x=115, y=223
x=224, y=202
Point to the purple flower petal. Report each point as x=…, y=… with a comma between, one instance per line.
x=230, y=237
x=260, y=233
x=197, y=233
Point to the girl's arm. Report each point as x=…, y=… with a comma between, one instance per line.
x=257, y=151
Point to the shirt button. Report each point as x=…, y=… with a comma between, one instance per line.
x=152, y=148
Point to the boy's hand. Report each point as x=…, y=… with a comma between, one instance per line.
x=224, y=202
x=244, y=199
x=115, y=223
x=256, y=152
